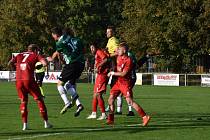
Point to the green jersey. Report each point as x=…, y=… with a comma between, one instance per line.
x=71, y=48
x=134, y=60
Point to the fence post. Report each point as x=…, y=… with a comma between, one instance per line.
x=185, y=80
x=92, y=77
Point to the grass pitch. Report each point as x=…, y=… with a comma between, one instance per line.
x=178, y=113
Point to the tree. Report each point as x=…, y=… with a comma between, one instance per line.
x=22, y=23
x=89, y=18
x=25, y=22
x=179, y=30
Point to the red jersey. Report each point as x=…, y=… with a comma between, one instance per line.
x=25, y=65
x=99, y=57
x=124, y=63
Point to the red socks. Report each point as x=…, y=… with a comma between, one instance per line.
x=141, y=112
x=24, y=112
x=43, y=110
x=94, y=104
x=110, y=119
x=101, y=104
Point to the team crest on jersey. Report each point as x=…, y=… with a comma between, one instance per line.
x=23, y=66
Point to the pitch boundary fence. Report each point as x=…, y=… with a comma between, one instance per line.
x=142, y=78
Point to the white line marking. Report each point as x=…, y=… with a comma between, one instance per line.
x=36, y=136
x=85, y=130
x=94, y=129
x=134, y=125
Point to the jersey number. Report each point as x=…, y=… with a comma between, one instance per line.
x=72, y=46
x=25, y=57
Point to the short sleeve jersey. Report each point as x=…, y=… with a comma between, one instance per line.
x=25, y=65
x=112, y=44
x=71, y=48
x=124, y=63
x=99, y=57
x=40, y=69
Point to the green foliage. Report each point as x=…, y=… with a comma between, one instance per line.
x=23, y=22
x=89, y=18
x=179, y=30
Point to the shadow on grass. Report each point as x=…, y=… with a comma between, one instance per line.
x=165, y=124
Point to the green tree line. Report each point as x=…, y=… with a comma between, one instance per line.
x=176, y=30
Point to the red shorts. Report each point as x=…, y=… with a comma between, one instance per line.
x=100, y=83
x=122, y=87
x=28, y=87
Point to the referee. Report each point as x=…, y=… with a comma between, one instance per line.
x=39, y=74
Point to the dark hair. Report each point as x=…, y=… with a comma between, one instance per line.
x=68, y=31
x=124, y=45
x=33, y=47
x=110, y=27
x=57, y=31
x=95, y=44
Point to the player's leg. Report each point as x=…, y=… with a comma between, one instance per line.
x=24, y=114
x=133, y=81
x=70, y=87
x=75, y=71
x=130, y=111
x=22, y=93
x=99, y=90
x=111, y=100
x=119, y=105
x=40, y=84
x=78, y=71
x=126, y=90
x=35, y=92
x=42, y=92
x=107, y=108
x=62, y=92
x=139, y=110
x=63, y=78
x=102, y=106
x=115, y=91
x=112, y=80
x=43, y=112
x=39, y=80
x=94, y=107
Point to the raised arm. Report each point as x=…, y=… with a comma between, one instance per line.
x=55, y=54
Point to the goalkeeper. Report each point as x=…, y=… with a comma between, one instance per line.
x=39, y=74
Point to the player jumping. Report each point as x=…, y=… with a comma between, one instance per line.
x=72, y=50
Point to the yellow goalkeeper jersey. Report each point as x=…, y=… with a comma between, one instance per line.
x=112, y=45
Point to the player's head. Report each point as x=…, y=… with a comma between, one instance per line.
x=33, y=48
x=68, y=31
x=110, y=31
x=93, y=48
x=56, y=33
x=122, y=49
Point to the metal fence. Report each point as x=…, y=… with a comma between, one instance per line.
x=184, y=79
x=148, y=79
